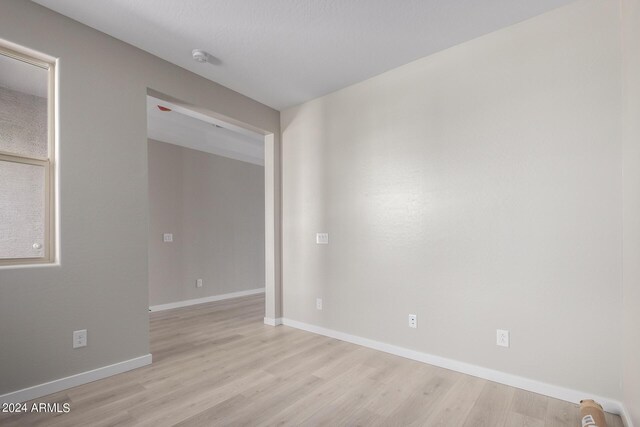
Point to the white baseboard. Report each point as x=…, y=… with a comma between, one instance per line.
x=213, y=298
x=55, y=386
x=562, y=393
x=626, y=416
x=273, y=322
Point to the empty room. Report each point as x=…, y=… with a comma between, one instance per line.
x=320, y=212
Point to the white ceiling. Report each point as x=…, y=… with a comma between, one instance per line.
x=285, y=52
x=199, y=132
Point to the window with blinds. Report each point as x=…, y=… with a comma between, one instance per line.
x=26, y=159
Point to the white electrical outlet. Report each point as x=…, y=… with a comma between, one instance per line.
x=322, y=238
x=167, y=237
x=502, y=338
x=319, y=303
x=80, y=338
x=199, y=283
x=413, y=321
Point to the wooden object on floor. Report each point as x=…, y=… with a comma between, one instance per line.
x=592, y=414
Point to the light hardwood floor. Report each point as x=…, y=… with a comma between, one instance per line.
x=217, y=364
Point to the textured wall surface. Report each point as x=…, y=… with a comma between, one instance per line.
x=214, y=207
x=101, y=281
x=479, y=188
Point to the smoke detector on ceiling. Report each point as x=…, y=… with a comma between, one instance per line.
x=200, y=55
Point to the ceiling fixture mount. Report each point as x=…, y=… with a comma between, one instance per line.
x=200, y=55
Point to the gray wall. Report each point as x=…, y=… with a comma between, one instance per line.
x=631, y=218
x=479, y=188
x=101, y=283
x=214, y=206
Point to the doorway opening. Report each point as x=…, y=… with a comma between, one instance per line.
x=209, y=219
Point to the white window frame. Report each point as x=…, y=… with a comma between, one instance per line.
x=47, y=163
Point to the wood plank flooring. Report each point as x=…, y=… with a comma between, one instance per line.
x=217, y=364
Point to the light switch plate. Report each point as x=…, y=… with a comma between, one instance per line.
x=167, y=237
x=322, y=238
